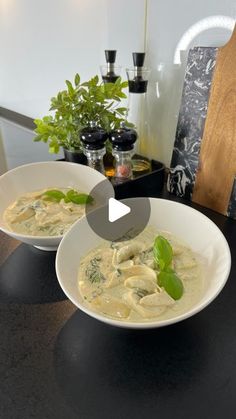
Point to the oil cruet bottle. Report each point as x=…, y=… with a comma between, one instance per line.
x=110, y=71
x=138, y=111
x=93, y=139
x=122, y=141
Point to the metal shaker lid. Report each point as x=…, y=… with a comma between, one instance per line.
x=123, y=138
x=93, y=137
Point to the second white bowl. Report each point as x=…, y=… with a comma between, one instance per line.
x=187, y=224
x=31, y=177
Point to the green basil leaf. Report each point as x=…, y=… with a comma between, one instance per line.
x=160, y=262
x=162, y=251
x=54, y=195
x=70, y=87
x=38, y=137
x=171, y=283
x=77, y=79
x=78, y=198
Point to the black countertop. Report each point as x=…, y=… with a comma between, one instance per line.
x=57, y=362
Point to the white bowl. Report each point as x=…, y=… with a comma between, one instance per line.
x=30, y=177
x=189, y=225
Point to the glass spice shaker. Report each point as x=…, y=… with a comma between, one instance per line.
x=123, y=140
x=93, y=139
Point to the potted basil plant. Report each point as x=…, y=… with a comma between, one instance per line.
x=74, y=108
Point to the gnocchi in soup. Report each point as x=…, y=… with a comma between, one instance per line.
x=46, y=212
x=120, y=280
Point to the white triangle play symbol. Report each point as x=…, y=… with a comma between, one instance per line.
x=117, y=210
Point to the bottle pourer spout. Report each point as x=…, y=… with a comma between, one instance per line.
x=110, y=55
x=138, y=59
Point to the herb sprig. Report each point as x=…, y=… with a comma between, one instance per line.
x=76, y=106
x=56, y=195
x=167, y=277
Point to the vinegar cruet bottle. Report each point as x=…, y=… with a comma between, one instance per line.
x=110, y=71
x=138, y=112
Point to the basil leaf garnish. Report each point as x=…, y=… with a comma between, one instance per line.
x=72, y=195
x=167, y=278
x=163, y=253
x=54, y=195
x=171, y=283
x=78, y=198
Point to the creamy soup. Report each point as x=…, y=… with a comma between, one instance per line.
x=45, y=212
x=119, y=280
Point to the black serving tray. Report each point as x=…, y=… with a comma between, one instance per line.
x=148, y=184
x=145, y=185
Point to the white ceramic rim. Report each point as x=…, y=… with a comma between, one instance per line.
x=156, y=323
x=19, y=236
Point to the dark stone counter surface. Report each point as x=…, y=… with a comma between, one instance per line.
x=56, y=362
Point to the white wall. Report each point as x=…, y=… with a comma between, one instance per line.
x=45, y=42
x=42, y=44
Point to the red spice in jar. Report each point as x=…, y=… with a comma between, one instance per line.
x=123, y=170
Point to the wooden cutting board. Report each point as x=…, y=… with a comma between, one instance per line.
x=203, y=166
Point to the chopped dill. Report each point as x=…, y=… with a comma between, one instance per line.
x=93, y=272
x=141, y=293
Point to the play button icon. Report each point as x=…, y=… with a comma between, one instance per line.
x=115, y=220
x=117, y=210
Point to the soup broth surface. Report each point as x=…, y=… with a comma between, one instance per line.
x=119, y=280
x=36, y=214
